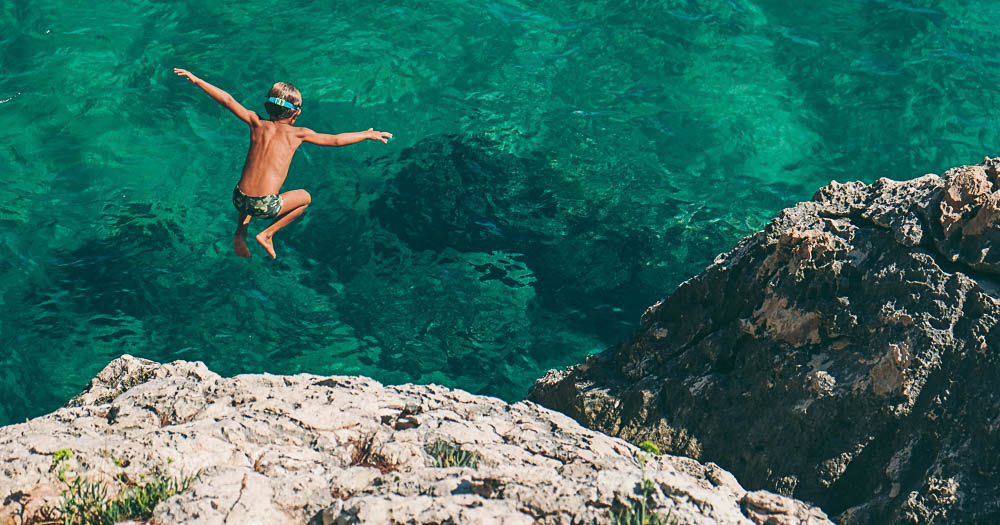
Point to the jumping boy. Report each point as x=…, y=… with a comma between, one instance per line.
x=272, y=144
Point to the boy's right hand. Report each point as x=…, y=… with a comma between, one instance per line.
x=186, y=74
x=379, y=135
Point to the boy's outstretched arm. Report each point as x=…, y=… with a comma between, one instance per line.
x=221, y=97
x=342, y=139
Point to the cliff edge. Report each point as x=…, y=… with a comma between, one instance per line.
x=296, y=449
x=845, y=355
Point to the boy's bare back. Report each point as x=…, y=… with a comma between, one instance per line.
x=272, y=145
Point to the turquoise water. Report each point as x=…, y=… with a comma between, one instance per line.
x=557, y=167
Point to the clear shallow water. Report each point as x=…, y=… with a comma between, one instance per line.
x=557, y=167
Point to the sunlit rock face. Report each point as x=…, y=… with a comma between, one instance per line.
x=346, y=449
x=846, y=355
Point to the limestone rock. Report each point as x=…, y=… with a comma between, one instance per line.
x=297, y=449
x=845, y=355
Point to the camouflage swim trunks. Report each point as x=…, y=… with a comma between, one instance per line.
x=266, y=207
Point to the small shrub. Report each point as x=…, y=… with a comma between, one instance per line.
x=638, y=513
x=61, y=455
x=60, y=462
x=650, y=447
x=138, y=502
x=448, y=455
x=86, y=502
x=365, y=455
x=641, y=516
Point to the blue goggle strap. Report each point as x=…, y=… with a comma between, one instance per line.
x=283, y=103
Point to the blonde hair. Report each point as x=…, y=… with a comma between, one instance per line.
x=286, y=91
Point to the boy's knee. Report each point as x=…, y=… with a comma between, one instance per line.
x=308, y=198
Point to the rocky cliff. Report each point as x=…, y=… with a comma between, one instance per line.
x=846, y=355
x=297, y=449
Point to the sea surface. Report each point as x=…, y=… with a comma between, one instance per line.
x=557, y=166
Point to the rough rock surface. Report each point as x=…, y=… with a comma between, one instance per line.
x=296, y=449
x=846, y=355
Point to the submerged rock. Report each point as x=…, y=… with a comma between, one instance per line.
x=845, y=355
x=292, y=449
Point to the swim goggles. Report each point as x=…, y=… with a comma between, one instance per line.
x=283, y=103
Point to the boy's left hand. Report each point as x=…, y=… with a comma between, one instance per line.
x=186, y=74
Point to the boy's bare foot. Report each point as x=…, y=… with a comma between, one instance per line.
x=240, y=245
x=265, y=241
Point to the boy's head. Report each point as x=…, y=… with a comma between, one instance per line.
x=286, y=92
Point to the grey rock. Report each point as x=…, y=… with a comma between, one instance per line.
x=304, y=448
x=846, y=355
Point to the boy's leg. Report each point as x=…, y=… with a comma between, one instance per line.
x=240, y=238
x=293, y=203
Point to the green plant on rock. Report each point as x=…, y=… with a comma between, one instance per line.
x=449, y=455
x=138, y=502
x=60, y=462
x=61, y=455
x=639, y=513
x=650, y=447
x=86, y=502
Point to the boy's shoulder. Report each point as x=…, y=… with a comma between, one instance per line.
x=281, y=128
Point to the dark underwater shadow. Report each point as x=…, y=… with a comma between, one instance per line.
x=464, y=225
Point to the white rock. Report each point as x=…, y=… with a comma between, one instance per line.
x=277, y=450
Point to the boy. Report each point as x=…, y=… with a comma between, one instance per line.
x=272, y=144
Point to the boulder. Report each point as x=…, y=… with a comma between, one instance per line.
x=294, y=449
x=845, y=355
